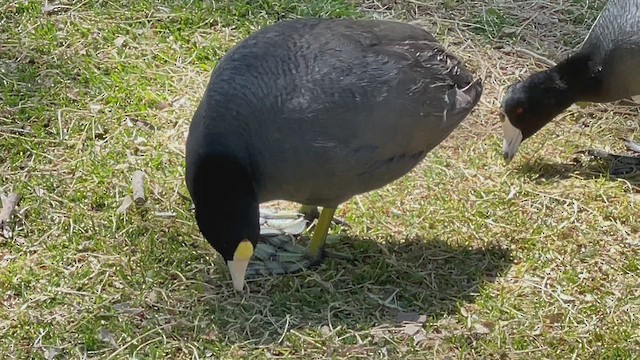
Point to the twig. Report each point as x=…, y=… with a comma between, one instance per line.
x=137, y=185
x=11, y=130
x=9, y=204
x=534, y=55
x=165, y=214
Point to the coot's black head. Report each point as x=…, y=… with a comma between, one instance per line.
x=226, y=207
x=531, y=104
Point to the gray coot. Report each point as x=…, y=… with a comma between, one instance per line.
x=316, y=111
x=606, y=68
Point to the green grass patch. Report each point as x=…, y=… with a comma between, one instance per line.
x=534, y=260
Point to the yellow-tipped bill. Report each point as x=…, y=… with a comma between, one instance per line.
x=238, y=266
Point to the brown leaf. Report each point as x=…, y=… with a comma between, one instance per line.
x=162, y=105
x=554, y=318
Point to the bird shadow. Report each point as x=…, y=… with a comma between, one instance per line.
x=543, y=170
x=386, y=284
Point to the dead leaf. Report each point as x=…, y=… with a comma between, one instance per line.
x=182, y=102
x=107, y=337
x=411, y=329
x=50, y=352
x=384, y=352
x=151, y=297
x=85, y=246
x=139, y=140
x=145, y=125
x=119, y=41
x=126, y=202
x=5, y=258
x=537, y=331
x=420, y=336
x=325, y=330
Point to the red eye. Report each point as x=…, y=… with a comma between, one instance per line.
x=519, y=110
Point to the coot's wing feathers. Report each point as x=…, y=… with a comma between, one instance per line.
x=618, y=25
x=395, y=78
x=379, y=95
x=613, y=44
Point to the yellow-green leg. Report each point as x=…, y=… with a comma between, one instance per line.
x=279, y=254
x=310, y=212
x=316, y=245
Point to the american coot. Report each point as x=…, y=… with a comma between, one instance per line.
x=316, y=111
x=605, y=69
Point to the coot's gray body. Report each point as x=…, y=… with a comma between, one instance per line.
x=316, y=111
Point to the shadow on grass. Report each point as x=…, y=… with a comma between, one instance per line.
x=584, y=168
x=388, y=283
x=544, y=170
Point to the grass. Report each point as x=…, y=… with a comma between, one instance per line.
x=463, y=258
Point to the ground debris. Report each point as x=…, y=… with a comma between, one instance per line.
x=9, y=203
x=137, y=186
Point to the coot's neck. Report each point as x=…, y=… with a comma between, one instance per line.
x=226, y=203
x=580, y=76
